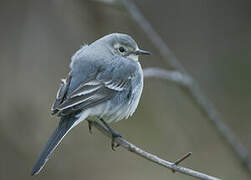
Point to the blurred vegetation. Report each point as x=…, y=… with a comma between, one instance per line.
x=211, y=38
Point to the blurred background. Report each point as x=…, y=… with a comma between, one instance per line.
x=212, y=39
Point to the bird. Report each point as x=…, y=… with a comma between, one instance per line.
x=104, y=84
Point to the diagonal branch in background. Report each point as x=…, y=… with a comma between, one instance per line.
x=205, y=106
x=172, y=76
x=140, y=152
x=192, y=87
x=199, y=98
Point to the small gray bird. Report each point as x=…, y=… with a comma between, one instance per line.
x=105, y=83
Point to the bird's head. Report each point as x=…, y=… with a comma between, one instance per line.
x=122, y=45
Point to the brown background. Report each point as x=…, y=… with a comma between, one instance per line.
x=211, y=38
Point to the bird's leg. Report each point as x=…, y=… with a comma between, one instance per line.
x=90, y=126
x=113, y=133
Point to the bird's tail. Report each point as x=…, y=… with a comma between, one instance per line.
x=65, y=125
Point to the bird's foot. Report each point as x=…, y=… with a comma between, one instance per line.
x=114, y=136
x=113, y=133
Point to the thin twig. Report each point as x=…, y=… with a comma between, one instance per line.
x=172, y=166
x=178, y=161
x=202, y=101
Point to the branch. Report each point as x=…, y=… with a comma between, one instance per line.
x=193, y=88
x=205, y=106
x=172, y=76
x=140, y=152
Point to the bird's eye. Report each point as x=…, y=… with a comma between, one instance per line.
x=121, y=49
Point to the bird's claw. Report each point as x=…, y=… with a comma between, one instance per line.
x=114, y=136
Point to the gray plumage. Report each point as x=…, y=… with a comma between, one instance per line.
x=105, y=81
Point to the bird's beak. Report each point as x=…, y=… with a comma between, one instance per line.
x=142, y=52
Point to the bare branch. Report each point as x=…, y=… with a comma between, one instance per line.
x=140, y=152
x=172, y=76
x=181, y=77
x=111, y=2
x=194, y=91
x=205, y=106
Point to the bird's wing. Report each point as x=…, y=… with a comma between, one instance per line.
x=97, y=89
x=61, y=94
